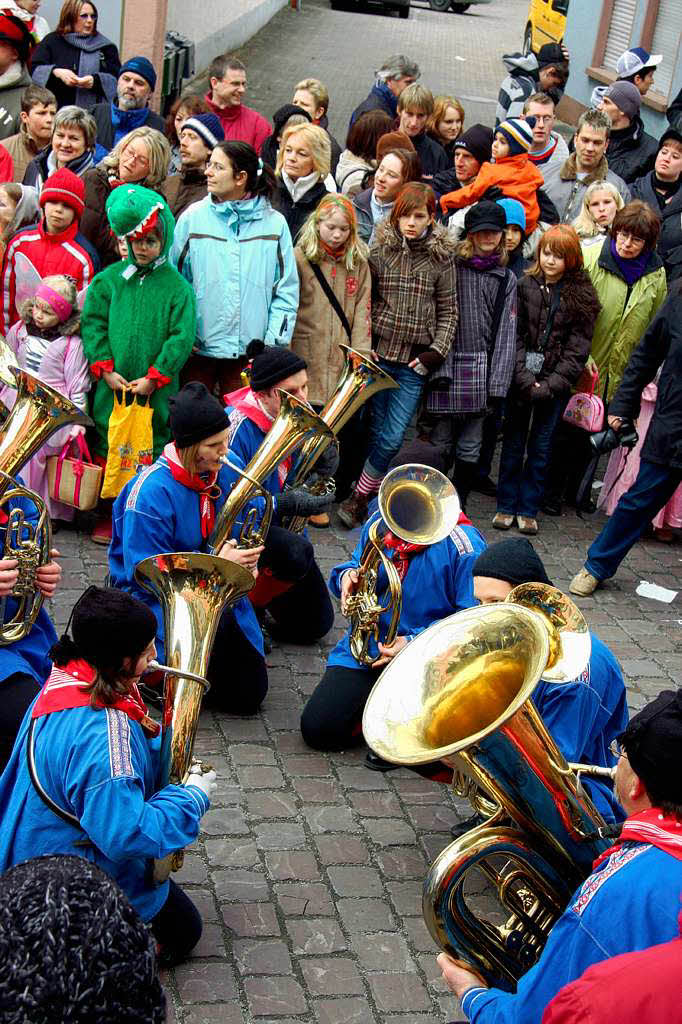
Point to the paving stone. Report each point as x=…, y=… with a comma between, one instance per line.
x=419, y=935
x=306, y=764
x=318, y=791
x=193, y=871
x=225, y=1013
x=337, y=976
x=240, y=884
x=274, y=996
x=376, y=804
x=250, y=919
x=211, y=943
x=260, y=777
x=304, y=899
x=285, y=835
x=252, y=753
x=399, y=992
x=282, y=864
x=360, y=778
x=205, y=982
x=262, y=956
x=406, y=897
x=434, y=818
x=361, y=881
x=389, y=831
x=205, y=903
x=315, y=936
x=277, y=804
x=365, y=915
x=343, y=1011
x=227, y=821
x=383, y=951
x=402, y=862
x=231, y=853
x=329, y=819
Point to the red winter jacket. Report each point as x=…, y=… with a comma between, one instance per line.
x=66, y=253
x=241, y=124
x=633, y=988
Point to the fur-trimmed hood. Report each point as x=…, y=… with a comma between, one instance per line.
x=439, y=243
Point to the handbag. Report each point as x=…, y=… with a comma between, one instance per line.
x=74, y=480
x=130, y=441
x=585, y=409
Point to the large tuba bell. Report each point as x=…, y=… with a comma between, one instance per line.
x=193, y=590
x=461, y=693
x=360, y=379
x=38, y=412
x=418, y=505
x=294, y=424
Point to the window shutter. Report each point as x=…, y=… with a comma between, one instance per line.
x=620, y=31
x=666, y=40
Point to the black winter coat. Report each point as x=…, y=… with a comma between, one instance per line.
x=296, y=214
x=669, y=246
x=570, y=339
x=55, y=51
x=631, y=151
x=432, y=156
x=376, y=100
x=660, y=344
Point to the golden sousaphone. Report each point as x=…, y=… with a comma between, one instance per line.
x=418, y=505
x=461, y=693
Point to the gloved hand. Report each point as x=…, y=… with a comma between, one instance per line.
x=299, y=502
x=205, y=781
x=328, y=462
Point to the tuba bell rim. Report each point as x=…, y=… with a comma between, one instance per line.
x=440, y=489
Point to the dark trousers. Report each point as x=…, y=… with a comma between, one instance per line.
x=331, y=720
x=570, y=457
x=529, y=429
x=653, y=487
x=237, y=672
x=304, y=612
x=219, y=375
x=18, y=692
x=491, y=428
x=177, y=927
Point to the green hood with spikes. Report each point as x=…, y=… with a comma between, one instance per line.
x=132, y=209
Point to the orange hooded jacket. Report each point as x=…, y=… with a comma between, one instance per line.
x=515, y=175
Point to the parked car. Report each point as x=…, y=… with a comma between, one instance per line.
x=444, y=5
x=403, y=6
x=546, y=24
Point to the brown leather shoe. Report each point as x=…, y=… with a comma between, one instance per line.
x=353, y=511
x=320, y=522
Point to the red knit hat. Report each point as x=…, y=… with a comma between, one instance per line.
x=14, y=32
x=64, y=187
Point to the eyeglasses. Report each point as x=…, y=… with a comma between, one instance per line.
x=617, y=750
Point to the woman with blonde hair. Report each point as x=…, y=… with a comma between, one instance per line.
x=446, y=123
x=303, y=164
x=140, y=158
x=601, y=203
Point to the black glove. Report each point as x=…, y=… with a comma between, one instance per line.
x=299, y=502
x=328, y=462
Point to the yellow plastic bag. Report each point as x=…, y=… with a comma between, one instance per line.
x=130, y=441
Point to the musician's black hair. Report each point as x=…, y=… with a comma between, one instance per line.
x=107, y=627
x=73, y=948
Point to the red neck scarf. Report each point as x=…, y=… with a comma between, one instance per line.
x=65, y=689
x=245, y=401
x=207, y=489
x=403, y=551
x=653, y=827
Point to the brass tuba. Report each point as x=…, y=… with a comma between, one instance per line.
x=461, y=693
x=193, y=590
x=294, y=424
x=419, y=505
x=360, y=379
x=38, y=412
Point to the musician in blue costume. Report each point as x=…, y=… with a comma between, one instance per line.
x=584, y=716
x=172, y=506
x=90, y=786
x=632, y=898
x=24, y=664
x=290, y=585
x=436, y=582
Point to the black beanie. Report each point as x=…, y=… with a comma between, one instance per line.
x=104, y=616
x=271, y=364
x=195, y=414
x=514, y=561
x=73, y=948
x=477, y=140
x=653, y=743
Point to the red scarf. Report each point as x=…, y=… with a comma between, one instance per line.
x=403, y=551
x=208, y=492
x=653, y=827
x=65, y=689
x=245, y=401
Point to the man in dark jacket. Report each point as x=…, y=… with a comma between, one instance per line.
x=472, y=148
x=548, y=72
x=199, y=135
x=415, y=106
x=136, y=83
x=660, y=468
x=394, y=75
x=631, y=150
x=661, y=189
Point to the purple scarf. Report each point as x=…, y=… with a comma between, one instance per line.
x=487, y=262
x=632, y=269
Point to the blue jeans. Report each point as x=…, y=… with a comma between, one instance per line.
x=520, y=488
x=390, y=413
x=654, y=486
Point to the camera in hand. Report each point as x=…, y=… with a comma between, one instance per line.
x=606, y=440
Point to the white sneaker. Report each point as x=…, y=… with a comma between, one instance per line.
x=584, y=583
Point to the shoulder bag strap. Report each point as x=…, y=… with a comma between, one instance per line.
x=333, y=301
x=553, y=306
x=70, y=819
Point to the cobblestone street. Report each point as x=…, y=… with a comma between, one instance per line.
x=309, y=868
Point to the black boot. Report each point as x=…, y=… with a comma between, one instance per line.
x=463, y=479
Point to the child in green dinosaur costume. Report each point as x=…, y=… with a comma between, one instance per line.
x=139, y=321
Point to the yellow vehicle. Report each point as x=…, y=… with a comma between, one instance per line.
x=546, y=24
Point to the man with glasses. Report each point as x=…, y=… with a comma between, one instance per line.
x=632, y=898
x=583, y=716
x=227, y=77
x=130, y=108
x=549, y=151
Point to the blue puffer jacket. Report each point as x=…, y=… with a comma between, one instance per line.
x=239, y=259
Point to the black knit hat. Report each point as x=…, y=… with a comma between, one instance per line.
x=514, y=561
x=271, y=364
x=103, y=616
x=484, y=216
x=477, y=140
x=551, y=54
x=195, y=414
x=73, y=948
x=653, y=744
